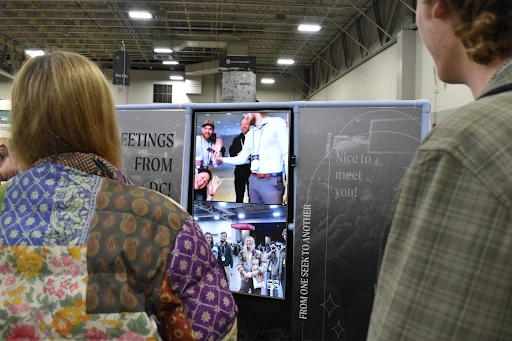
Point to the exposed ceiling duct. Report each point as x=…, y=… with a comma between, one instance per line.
x=179, y=46
x=206, y=68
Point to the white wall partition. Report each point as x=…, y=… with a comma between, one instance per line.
x=372, y=81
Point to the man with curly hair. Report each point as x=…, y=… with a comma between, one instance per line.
x=445, y=270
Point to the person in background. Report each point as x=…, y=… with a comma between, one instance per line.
x=8, y=168
x=205, y=186
x=207, y=144
x=4, y=153
x=226, y=256
x=251, y=266
x=84, y=254
x=215, y=251
x=267, y=146
x=272, y=256
x=445, y=273
x=209, y=239
x=281, y=264
x=242, y=172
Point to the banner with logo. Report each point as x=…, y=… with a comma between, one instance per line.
x=121, y=68
x=244, y=62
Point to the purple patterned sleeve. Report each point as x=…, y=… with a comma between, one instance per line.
x=199, y=282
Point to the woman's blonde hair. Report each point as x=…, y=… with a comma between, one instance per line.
x=61, y=102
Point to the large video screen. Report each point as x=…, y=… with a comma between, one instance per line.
x=240, y=196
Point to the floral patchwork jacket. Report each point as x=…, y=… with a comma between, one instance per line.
x=84, y=255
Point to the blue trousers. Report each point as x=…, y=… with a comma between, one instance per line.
x=267, y=191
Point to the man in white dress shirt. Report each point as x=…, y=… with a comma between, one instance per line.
x=267, y=145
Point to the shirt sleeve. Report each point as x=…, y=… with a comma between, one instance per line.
x=199, y=287
x=283, y=136
x=244, y=153
x=445, y=273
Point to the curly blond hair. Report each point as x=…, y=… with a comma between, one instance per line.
x=485, y=27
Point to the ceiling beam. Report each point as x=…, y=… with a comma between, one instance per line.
x=226, y=38
x=6, y=74
x=230, y=22
x=193, y=28
x=280, y=4
x=211, y=13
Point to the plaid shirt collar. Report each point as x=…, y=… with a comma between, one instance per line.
x=501, y=78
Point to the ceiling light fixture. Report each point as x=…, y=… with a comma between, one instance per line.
x=286, y=61
x=217, y=217
x=162, y=50
x=140, y=15
x=241, y=216
x=170, y=62
x=309, y=28
x=276, y=214
x=34, y=53
x=176, y=78
x=268, y=81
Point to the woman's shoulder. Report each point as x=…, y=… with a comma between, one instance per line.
x=142, y=203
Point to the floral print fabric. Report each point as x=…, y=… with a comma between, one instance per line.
x=51, y=302
x=87, y=257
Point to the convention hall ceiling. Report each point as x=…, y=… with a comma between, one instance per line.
x=203, y=30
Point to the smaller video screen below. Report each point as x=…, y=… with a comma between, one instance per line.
x=249, y=242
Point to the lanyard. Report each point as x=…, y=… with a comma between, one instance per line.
x=256, y=152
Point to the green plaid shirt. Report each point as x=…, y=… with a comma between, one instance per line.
x=446, y=271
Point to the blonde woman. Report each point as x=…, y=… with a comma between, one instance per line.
x=84, y=254
x=251, y=266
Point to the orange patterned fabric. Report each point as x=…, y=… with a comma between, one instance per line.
x=130, y=239
x=175, y=324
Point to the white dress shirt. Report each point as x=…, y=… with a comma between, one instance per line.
x=270, y=142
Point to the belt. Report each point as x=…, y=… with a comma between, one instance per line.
x=269, y=175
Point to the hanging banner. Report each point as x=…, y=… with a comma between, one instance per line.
x=121, y=68
x=153, y=149
x=349, y=163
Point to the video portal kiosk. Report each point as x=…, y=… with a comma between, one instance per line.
x=304, y=240
x=239, y=197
